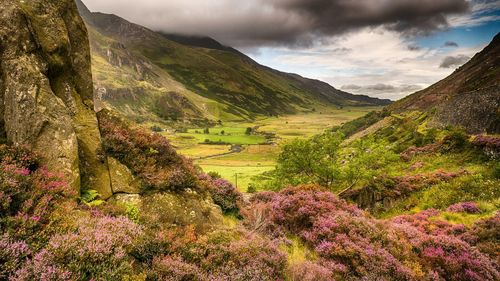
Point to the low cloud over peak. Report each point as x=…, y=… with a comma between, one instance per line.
x=256, y=23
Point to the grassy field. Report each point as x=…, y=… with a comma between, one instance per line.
x=255, y=157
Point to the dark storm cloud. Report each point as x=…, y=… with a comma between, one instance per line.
x=409, y=16
x=450, y=44
x=283, y=22
x=454, y=61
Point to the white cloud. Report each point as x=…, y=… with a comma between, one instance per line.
x=375, y=56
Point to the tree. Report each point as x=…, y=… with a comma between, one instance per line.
x=365, y=158
x=249, y=131
x=206, y=131
x=310, y=161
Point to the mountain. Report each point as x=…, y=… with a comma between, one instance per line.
x=178, y=77
x=470, y=97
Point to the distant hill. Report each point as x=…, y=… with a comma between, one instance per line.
x=146, y=74
x=470, y=97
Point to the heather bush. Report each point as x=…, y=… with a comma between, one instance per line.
x=12, y=256
x=169, y=268
x=28, y=194
x=224, y=194
x=413, y=151
x=310, y=271
x=489, y=144
x=353, y=245
x=485, y=235
x=230, y=255
x=149, y=156
x=97, y=249
x=445, y=256
x=464, y=207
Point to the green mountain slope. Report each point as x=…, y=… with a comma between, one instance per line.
x=144, y=73
x=470, y=97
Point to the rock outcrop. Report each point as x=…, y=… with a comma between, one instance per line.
x=46, y=91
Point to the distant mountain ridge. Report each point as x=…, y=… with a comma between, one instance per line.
x=214, y=81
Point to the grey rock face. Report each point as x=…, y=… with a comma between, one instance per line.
x=46, y=92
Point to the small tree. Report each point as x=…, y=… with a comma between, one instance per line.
x=310, y=161
x=249, y=131
x=365, y=159
x=206, y=131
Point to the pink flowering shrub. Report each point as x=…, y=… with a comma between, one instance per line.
x=28, y=193
x=224, y=194
x=489, y=144
x=485, y=235
x=413, y=151
x=169, y=268
x=12, y=255
x=353, y=245
x=424, y=222
x=310, y=271
x=464, y=207
x=149, y=156
x=98, y=249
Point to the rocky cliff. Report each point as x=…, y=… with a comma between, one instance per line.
x=47, y=105
x=46, y=91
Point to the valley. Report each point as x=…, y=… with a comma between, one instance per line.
x=258, y=153
x=134, y=154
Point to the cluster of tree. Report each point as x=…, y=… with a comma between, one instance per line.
x=323, y=160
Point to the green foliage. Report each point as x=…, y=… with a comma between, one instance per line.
x=366, y=158
x=90, y=198
x=156, y=129
x=132, y=212
x=310, y=161
x=251, y=188
x=322, y=160
x=214, y=175
x=455, y=138
x=354, y=126
x=249, y=131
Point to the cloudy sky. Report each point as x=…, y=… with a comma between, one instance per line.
x=383, y=48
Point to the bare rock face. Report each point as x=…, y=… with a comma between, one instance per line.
x=46, y=91
x=170, y=209
x=122, y=179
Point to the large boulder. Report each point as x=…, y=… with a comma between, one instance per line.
x=46, y=91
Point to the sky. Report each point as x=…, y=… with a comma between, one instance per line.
x=381, y=48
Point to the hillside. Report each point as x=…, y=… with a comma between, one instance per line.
x=470, y=97
x=137, y=67
x=92, y=196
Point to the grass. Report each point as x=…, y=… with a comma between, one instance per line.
x=255, y=158
x=230, y=139
x=245, y=173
